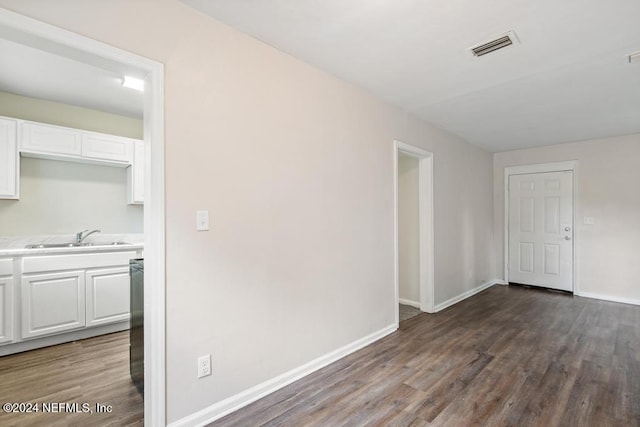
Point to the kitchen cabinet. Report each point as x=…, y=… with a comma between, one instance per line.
x=6, y=300
x=49, y=139
x=6, y=310
x=61, y=143
x=107, y=147
x=52, y=303
x=45, y=141
x=107, y=295
x=9, y=164
x=65, y=292
x=52, y=296
x=135, y=175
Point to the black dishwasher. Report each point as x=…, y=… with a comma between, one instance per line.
x=136, y=334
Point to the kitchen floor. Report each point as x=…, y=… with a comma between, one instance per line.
x=71, y=383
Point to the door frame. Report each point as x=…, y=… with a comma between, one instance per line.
x=570, y=165
x=67, y=43
x=425, y=221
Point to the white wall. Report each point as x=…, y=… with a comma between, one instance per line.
x=296, y=168
x=462, y=223
x=607, y=190
x=408, y=229
x=64, y=198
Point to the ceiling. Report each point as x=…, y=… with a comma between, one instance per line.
x=568, y=79
x=45, y=72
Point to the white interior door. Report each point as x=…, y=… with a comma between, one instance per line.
x=541, y=229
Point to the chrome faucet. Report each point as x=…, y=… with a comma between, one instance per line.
x=84, y=234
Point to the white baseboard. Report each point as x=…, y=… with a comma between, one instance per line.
x=415, y=304
x=463, y=296
x=608, y=298
x=235, y=402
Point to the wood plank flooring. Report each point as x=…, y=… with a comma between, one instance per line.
x=508, y=356
x=94, y=370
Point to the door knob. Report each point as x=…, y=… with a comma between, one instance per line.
x=567, y=237
x=567, y=229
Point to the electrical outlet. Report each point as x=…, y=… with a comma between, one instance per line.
x=204, y=365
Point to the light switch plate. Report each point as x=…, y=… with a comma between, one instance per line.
x=589, y=220
x=202, y=220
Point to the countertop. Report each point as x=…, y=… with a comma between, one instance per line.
x=16, y=245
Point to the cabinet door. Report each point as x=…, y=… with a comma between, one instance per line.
x=41, y=138
x=107, y=147
x=52, y=303
x=9, y=171
x=107, y=293
x=6, y=310
x=135, y=175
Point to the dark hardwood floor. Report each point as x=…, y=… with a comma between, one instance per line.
x=508, y=356
x=94, y=370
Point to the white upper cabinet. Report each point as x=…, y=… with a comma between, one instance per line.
x=61, y=143
x=42, y=138
x=135, y=175
x=108, y=147
x=9, y=165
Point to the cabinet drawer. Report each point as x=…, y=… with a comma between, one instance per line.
x=50, y=139
x=6, y=266
x=36, y=264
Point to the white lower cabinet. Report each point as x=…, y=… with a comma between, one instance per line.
x=6, y=309
x=50, y=298
x=107, y=295
x=52, y=303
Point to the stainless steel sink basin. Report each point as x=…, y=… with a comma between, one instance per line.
x=73, y=245
x=51, y=245
x=105, y=244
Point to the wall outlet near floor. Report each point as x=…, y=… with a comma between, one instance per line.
x=204, y=365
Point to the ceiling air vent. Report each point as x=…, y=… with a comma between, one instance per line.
x=493, y=45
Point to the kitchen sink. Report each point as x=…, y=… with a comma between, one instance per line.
x=52, y=245
x=73, y=245
x=105, y=244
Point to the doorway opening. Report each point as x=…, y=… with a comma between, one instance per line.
x=50, y=39
x=413, y=229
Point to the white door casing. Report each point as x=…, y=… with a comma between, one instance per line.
x=426, y=230
x=540, y=245
x=89, y=51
